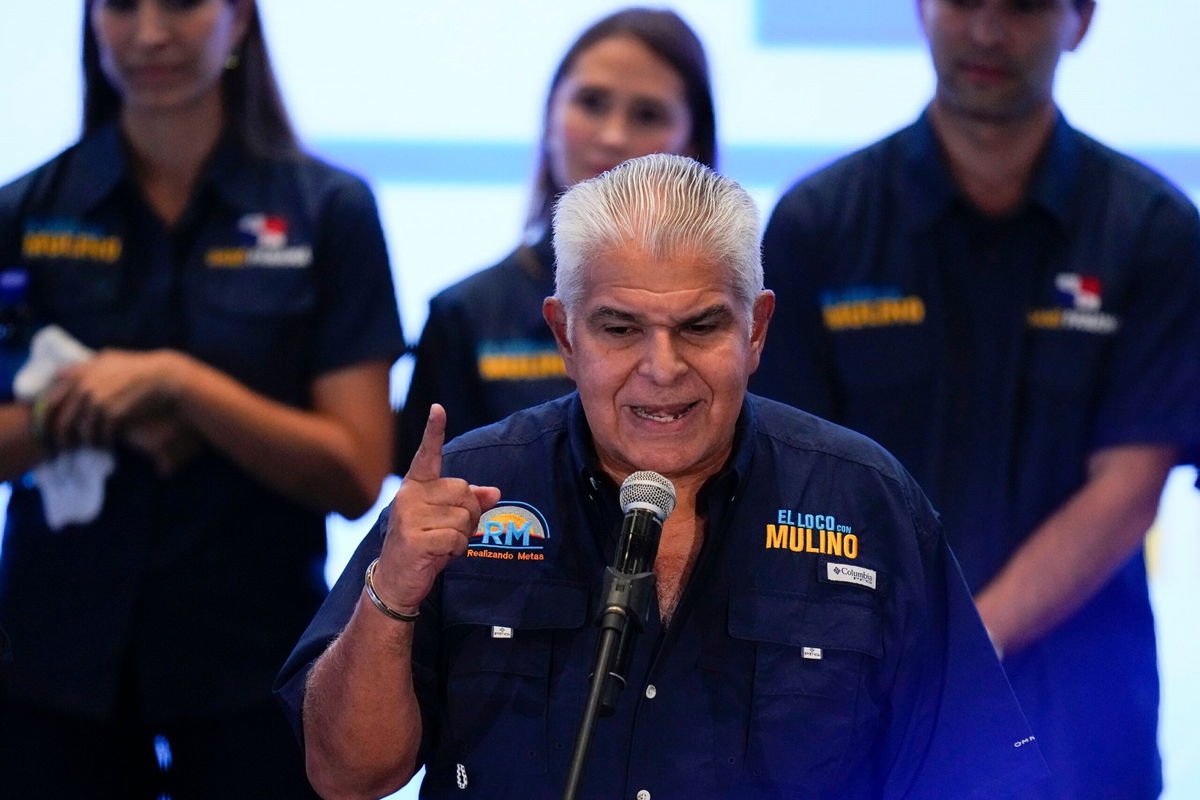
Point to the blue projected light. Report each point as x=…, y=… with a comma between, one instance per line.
x=483, y=162
x=837, y=22
x=424, y=161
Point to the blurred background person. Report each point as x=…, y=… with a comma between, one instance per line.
x=635, y=82
x=229, y=311
x=1013, y=309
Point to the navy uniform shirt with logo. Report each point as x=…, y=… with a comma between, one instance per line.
x=195, y=585
x=485, y=351
x=825, y=645
x=992, y=356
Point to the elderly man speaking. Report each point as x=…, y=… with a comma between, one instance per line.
x=808, y=633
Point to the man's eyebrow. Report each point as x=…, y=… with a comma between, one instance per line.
x=605, y=313
x=714, y=313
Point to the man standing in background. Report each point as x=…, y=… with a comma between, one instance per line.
x=1013, y=310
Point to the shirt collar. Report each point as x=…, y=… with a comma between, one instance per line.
x=234, y=175
x=928, y=189
x=536, y=260
x=924, y=186
x=99, y=164
x=1057, y=172
x=722, y=487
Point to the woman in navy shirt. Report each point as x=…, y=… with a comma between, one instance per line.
x=237, y=298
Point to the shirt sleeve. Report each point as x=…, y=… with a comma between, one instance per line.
x=11, y=198
x=1152, y=390
x=794, y=369
x=445, y=372
x=333, y=616
x=359, y=319
x=958, y=730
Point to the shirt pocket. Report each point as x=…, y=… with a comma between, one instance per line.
x=255, y=292
x=1066, y=364
x=83, y=297
x=882, y=356
x=808, y=660
x=500, y=645
x=249, y=317
x=884, y=381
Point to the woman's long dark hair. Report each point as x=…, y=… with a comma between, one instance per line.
x=254, y=108
x=671, y=39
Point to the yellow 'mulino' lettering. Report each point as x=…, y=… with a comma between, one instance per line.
x=1045, y=318
x=875, y=313
x=518, y=366
x=809, y=540
x=225, y=257
x=82, y=246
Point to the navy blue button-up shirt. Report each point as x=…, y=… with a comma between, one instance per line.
x=485, y=351
x=198, y=583
x=992, y=357
x=825, y=645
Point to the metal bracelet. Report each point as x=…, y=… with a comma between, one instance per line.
x=382, y=606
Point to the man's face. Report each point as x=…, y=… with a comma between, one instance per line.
x=995, y=59
x=661, y=352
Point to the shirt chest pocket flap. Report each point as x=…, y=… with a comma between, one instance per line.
x=84, y=298
x=794, y=635
x=258, y=292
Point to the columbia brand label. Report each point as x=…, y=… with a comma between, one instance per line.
x=500, y=632
x=511, y=531
x=820, y=534
x=848, y=573
x=812, y=653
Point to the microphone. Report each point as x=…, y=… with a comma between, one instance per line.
x=647, y=499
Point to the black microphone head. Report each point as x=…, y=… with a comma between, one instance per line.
x=650, y=491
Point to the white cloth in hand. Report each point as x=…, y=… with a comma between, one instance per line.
x=71, y=483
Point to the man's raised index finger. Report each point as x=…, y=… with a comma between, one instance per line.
x=427, y=463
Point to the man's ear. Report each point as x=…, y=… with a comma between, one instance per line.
x=555, y=314
x=764, y=309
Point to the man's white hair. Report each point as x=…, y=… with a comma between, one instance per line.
x=665, y=205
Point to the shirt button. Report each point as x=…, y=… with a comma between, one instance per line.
x=643, y=795
x=651, y=692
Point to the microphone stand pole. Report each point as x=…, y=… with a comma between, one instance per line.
x=627, y=599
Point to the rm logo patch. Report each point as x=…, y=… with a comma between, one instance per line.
x=512, y=531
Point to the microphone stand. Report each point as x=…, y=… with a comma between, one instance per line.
x=626, y=606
